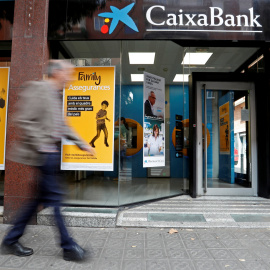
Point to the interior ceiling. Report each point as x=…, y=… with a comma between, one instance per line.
x=168, y=58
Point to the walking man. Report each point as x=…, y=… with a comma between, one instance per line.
x=42, y=126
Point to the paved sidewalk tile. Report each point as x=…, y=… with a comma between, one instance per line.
x=147, y=249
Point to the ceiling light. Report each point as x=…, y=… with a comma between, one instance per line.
x=181, y=78
x=141, y=58
x=256, y=61
x=137, y=77
x=196, y=58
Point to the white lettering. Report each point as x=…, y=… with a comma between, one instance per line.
x=180, y=16
x=239, y=17
x=252, y=19
x=148, y=15
x=217, y=16
x=89, y=87
x=171, y=21
x=190, y=18
x=230, y=20
x=203, y=20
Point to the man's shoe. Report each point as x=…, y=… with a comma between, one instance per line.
x=107, y=144
x=16, y=249
x=74, y=254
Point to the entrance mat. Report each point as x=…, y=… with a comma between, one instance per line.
x=176, y=217
x=90, y=210
x=250, y=218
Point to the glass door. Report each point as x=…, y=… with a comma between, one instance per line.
x=226, y=145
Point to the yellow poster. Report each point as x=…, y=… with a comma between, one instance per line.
x=224, y=128
x=89, y=110
x=4, y=81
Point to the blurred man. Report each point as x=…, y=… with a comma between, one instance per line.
x=41, y=123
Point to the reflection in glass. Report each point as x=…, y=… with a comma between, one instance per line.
x=227, y=144
x=129, y=182
x=6, y=19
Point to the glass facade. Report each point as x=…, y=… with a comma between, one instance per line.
x=71, y=38
x=129, y=182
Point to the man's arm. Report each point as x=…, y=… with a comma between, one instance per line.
x=72, y=136
x=29, y=114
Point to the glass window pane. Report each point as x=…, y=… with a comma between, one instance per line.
x=137, y=183
x=98, y=188
x=227, y=139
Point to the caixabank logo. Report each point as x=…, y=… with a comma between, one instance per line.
x=116, y=16
x=249, y=22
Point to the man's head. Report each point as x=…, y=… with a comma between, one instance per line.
x=152, y=97
x=60, y=71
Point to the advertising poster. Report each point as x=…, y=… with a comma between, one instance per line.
x=4, y=81
x=154, y=117
x=224, y=128
x=89, y=110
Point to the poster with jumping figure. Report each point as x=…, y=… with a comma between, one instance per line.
x=224, y=128
x=89, y=109
x=4, y=86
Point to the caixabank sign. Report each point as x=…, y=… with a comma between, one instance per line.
x=155, y=19
x=215, y=17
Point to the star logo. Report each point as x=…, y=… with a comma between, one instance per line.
x=118, y=15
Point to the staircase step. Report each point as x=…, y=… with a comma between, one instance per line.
x=81, y=217
x=202, y=212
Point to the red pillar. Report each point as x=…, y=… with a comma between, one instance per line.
x=28, y=62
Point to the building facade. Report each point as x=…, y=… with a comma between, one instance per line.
x=214, y=59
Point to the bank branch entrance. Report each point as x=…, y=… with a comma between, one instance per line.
x=226, y=148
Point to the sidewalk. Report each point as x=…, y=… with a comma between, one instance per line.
x=147, y=249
